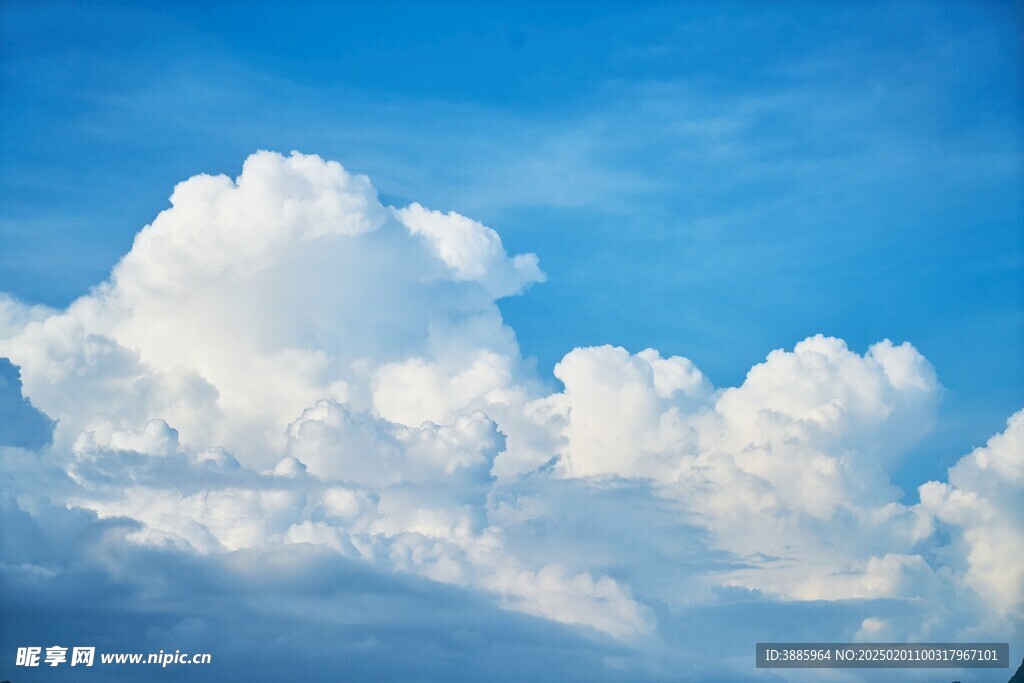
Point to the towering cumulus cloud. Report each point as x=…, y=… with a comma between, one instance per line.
x=293, y=401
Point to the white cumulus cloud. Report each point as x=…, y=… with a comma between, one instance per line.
x=283, y=375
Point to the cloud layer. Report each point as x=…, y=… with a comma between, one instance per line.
x=295, y=391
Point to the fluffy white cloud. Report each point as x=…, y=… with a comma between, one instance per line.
x=412, y=499
x=777, y=469
x=983, y=505
x=248, y=300
x=626, y=414
x=471, y=250
x=156, y=439
x=336, y=443
x=15, y=315
x=282, y=367
x=825, y=396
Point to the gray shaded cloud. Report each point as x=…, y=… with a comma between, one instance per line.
x=21, y=424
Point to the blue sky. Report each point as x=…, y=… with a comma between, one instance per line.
x=712, y=180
